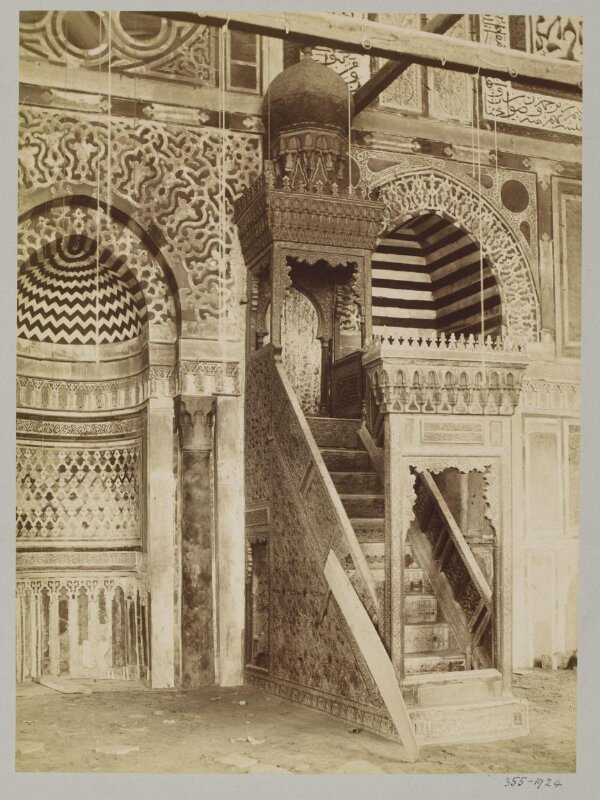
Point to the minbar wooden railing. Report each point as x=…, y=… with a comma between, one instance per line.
x=472, y=611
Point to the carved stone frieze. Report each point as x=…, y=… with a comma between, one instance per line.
x=451, y=388
x=42, y=427
x=129, y=560
x=190, y=377
x=541, y=394
x=64, y=395
x=209, y=378
x=365, y=716
x=71, y=582
x=457, y=433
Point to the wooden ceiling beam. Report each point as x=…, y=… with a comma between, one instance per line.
x=392, y=69
x=393, y=42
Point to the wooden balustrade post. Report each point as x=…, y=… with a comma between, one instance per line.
x=324, y=405
x=394, y=542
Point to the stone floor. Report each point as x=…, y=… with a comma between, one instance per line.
x=117, y=729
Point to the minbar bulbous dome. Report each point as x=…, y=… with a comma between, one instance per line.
x=307, y=94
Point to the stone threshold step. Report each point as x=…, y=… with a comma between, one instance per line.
x=484, y=721
x=452, y=688
x=452, y=677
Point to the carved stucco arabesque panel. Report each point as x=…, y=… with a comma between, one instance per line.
x=171, y=175
x=418, y=186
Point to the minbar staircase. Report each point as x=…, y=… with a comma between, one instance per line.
x=447, y=699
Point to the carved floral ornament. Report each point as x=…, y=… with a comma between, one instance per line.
x=407, y=194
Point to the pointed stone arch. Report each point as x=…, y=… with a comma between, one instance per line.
x=410, y=193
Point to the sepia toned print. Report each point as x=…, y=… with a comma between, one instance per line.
x=298, y=392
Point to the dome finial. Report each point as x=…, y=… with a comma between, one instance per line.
x=306, y=52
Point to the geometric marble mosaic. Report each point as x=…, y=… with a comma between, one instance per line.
x=68, y=294
x=77, y=493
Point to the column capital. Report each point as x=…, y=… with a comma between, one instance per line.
x=194, y=420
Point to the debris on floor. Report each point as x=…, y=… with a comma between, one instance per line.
x=117, y=749
x=285, y=738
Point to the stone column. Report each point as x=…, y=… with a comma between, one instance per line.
x=230, y=546
x=194, y=422
x=161, y=541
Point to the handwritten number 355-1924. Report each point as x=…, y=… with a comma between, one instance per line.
x=538, y=783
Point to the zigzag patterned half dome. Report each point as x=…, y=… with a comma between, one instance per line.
x=67, y=294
